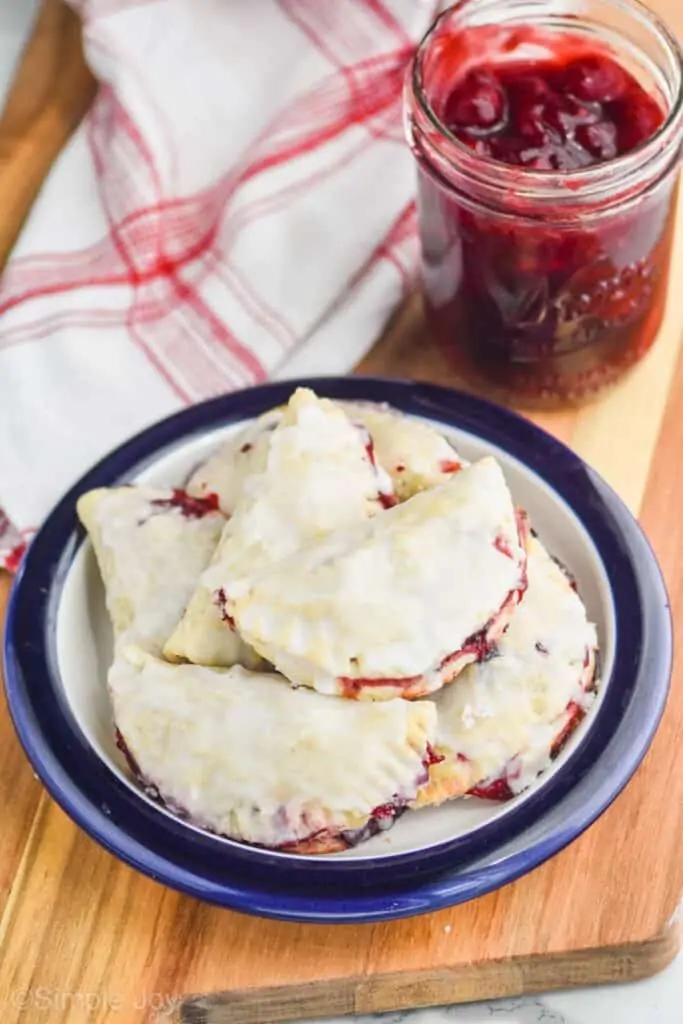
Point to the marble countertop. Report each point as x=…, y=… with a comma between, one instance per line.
x=655, y=1001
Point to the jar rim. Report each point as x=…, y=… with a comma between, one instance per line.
x=562, y=183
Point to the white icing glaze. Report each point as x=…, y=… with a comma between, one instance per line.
x=315, y=476
x=391, y=597
x=505, y=714
x=414, y=454
x=150, y=558
x=248, y=756
x=226, y=469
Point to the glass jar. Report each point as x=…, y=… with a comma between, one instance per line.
x=544, y=286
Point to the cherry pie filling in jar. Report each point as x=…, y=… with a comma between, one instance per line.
x=548, y=148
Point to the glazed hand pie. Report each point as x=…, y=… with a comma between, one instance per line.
x=247, y=756
x=316, y=476
x=151, y=546
x=397, y=605
x=414, y=454
x=329, y=559
x=505, y=719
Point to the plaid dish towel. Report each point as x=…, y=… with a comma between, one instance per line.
x=238, y=205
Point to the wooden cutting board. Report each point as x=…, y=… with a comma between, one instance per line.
x=83, y=938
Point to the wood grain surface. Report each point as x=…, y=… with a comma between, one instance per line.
x=83, y=938
x=52, y=90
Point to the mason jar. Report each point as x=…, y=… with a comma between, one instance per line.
x=545, y=271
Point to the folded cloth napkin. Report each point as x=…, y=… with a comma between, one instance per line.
x=238, y=205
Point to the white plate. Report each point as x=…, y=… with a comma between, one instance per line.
x=84, y=638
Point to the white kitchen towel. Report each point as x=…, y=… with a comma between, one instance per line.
x=238, y=205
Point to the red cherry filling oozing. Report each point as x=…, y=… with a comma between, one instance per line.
x=480, y=646
x=221, y=601
x=191, y=508
x=552, y=116
x=323, y=841
x=381, y=819
x=432, y=757
x=387, y=499
x=500, y=788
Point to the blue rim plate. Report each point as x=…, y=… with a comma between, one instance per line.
x=367, y=889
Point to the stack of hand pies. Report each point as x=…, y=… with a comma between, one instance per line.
x=336, y=620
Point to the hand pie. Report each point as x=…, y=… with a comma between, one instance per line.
x=151, y=546
x=248, y=756
x=505, y=719
x=414, y=454
x=397, y=605
x=225, y=471
x=317, y=476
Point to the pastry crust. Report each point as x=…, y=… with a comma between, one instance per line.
x=315, y=476
x=414, y=454
x=226, y=469
x=506, y=718
x=151, y=546
x=248, y=756
x=394, y=606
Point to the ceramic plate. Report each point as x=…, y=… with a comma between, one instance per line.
x=58, y=648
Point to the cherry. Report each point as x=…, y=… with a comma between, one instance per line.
x=498, y=789
x=564, y=113
x=571, y=156
x=507, y=150
x=600, y=140
x=526, y=88
x=637, y=117
x=384, y=811
x=432, y=757
x=478, y=102
x=596, y=79
x=548, y=156
x=549, y=117
x=533, y=127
